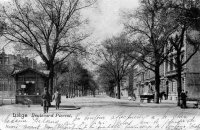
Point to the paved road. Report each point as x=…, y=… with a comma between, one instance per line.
x=102, y=112
x=98, y=102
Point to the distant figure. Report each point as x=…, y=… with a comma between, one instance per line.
x=165, y=95
x=183, y=99
x=46, y=100
x=57, y=97
x=161, y=95
x=134, y=96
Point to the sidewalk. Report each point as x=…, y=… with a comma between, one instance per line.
x=100, y=111
x=102, y=101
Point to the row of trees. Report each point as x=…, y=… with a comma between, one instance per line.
x=74, y=79
x=163, y=23
x=117, y=63
x=52, y=29
x=153, y=31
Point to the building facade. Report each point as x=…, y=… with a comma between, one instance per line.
x=145, y=82
x=8, y=64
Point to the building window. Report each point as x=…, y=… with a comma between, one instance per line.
x=171, y=64
x=172, y=86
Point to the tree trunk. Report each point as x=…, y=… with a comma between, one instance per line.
x=157, y=83
x=112, y=92
x=82, y=90
x=179, y=80
x=118, y=89
x=51, y=85
x=130, y=88
x=73, y=90
x=50, y=79
x=70, y=89
x=76, y=91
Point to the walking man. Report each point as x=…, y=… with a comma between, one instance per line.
x=46, y=100
x=57, y=97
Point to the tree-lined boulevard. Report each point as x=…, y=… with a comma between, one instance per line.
x=153, y=39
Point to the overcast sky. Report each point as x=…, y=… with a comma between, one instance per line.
x=105, y=19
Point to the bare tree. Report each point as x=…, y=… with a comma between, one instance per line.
x=106, y=81
x=149, y=32
x=73, y=78
x=116, y=61
x=186, y=16
x=51, y=28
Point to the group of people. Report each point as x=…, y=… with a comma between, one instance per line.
x=46, y=99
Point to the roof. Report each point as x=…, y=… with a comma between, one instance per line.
x=41, y=72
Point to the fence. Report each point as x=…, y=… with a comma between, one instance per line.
x=7, y=92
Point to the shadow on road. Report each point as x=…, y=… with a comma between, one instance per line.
x=148, y=105
x=127, y=104
x=67, y=107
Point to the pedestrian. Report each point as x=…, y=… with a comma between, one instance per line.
x=57, y=97
x=183, y=99
x=134, y=97
x=165, y=95
x=46, y=100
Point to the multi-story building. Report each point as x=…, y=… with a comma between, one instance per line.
x=190, y=74
x=145, y=82
x=9, y=63
x=16, y=60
